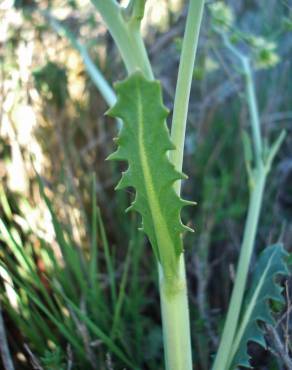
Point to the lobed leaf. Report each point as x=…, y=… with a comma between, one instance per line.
x=263, y=289
x=144, y=142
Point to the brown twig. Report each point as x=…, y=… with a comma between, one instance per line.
x=279, y=346
x=34, y=361
x=69, y=357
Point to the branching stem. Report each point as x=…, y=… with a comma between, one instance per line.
x=223, y=356
x=258, y=178
x=127, y=37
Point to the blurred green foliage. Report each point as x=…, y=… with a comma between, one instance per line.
x=51, y=83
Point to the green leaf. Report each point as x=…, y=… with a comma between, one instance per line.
x=263, y=289
x=144, y=142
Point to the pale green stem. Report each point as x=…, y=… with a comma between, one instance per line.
x=253, y=109
x=98, y=79
x=175, y=320
x=174, y=306
x=222, y=358
x=184, y=81
x=127, y=37
x=251, y=99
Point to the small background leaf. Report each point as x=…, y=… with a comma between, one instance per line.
x=264, y=287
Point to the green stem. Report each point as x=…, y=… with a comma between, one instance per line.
x=174, y=306
x=253, y=109
x=127, y=37
x=184, y=81
x=251, y=98
x=175, y=320
x=222, y=359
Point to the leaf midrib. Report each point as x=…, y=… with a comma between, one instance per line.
x=161, y=231
x=246, y=318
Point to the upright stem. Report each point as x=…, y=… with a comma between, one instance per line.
x=253, y=109
x=251, y=99
x=175, y=321
x=223, y=356
x=259, y=175
x=184, y=81
x=174, y=307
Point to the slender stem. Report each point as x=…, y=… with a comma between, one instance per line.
x=175, y=320
x=253, y=109
x=251, y=99
x=184, y=81
x=258, y=179
x=222, y=358
x=174, y=307
x=98, y=79
x=100, y=82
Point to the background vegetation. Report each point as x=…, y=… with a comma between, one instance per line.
x=77, y=277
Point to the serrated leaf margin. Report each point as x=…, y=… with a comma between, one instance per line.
x=272, y=259
x=135, y=97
